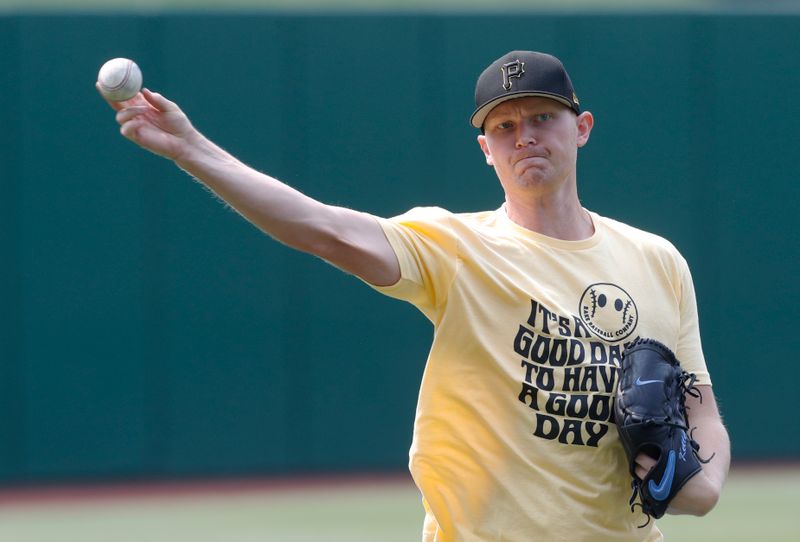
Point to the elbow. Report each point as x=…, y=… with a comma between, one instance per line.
x=328, y=245
x=702, y=503
x=321, y=240
x=706, y=504
x=331, y=246
x=697, y=498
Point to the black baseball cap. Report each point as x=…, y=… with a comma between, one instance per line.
x=518, y=74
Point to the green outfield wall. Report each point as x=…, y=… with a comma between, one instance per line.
x=148, y=331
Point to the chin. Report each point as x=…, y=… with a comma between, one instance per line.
x=533, y=179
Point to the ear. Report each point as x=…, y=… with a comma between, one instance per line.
x=585, y=122
x=485, y=149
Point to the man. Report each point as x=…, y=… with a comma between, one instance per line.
x=532, y=305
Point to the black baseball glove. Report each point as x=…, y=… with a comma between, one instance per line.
x=650, y=413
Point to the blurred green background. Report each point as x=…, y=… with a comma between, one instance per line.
x=148, y=333
x=379, y=5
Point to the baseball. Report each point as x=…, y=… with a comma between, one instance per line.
x=120, y=79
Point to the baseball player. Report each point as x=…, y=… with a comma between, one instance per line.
x=533, y=304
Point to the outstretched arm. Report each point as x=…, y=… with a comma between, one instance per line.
x=701, y=493
x=352, y=241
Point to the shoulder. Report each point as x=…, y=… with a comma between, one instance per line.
x=639, y=238
x=422, y=213
x=441, y=214
x=443, y=219
x=646, y=244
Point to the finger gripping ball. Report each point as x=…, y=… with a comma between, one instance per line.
x=120, y=79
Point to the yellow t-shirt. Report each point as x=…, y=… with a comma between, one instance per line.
x=514, y=438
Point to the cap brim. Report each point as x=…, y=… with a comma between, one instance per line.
x=479, y=116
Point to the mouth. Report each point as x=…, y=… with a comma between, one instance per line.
x=528, y=161
x=528, y=157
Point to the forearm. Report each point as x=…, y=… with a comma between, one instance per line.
x=274, y=207
x=351, y=240
x=701, y=492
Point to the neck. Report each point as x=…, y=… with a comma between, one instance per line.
x=562, y=219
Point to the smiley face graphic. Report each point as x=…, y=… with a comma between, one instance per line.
x=608, y=311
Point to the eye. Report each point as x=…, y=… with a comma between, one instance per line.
x=543, y=117
x=505, y=125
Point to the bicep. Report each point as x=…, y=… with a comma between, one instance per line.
x=358, y=245
x=701, y=493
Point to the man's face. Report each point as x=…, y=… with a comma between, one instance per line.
x=533, y=143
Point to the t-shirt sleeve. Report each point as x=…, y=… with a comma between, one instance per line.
x=690, y=348
x=426, y=248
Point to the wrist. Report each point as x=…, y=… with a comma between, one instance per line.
x=202, y=159
x=193, y=147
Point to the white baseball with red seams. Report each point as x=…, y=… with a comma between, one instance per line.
x=120, y=79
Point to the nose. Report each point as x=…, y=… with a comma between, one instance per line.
x=525, y=135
